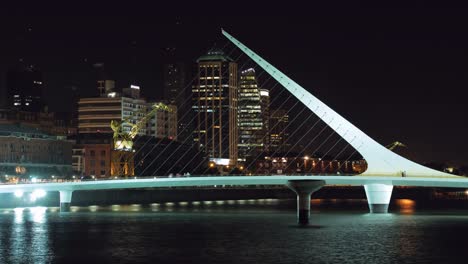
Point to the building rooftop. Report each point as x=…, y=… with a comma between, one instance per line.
x=215, y=54
x=22, y=131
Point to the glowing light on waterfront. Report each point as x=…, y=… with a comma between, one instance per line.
x=19, y=193
x=406, y=205
x=154, y=207
x=37, y=194
x=135, y=207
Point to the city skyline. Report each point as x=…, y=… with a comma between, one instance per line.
x=409, y=72
x=232, y=132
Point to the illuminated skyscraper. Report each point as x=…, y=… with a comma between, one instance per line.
x=215, y=105
x=253, y=103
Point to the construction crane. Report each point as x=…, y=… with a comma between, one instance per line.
x=122, y=162
x=395, y=144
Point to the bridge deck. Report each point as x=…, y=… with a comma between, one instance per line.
x=453, y=182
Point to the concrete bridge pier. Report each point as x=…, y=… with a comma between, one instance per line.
x=378, y=197
x=65, y=201
x=304, y=189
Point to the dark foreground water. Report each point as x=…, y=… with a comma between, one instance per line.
x=261, y=231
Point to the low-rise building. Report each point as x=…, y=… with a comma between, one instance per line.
x=28, y=152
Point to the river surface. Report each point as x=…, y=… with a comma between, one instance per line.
x=248, y=231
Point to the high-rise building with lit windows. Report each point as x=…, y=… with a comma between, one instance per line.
x=253, y=124
x=279, y=120
x=214, y=102
x=24, y=88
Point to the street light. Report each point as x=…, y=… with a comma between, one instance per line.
x=306, y=158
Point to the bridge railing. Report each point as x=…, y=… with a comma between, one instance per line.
x=61, y=180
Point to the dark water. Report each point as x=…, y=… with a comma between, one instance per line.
x=261, y=231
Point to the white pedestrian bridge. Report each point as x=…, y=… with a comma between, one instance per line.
x=378, y=188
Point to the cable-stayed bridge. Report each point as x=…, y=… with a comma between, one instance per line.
x=385, y=168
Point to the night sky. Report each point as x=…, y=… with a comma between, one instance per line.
x=396, y=73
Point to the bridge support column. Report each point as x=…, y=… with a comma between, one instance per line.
x=65, y=201
x=378, y=197
x=304, y=189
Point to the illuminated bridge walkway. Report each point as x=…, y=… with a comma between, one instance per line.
x=378, y=188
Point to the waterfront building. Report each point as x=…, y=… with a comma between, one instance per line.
x=162, y=156
x=279, y=120
x=164, y=123
x=214, y=103
x=177, y=93
x=78, y=161
x=95, y=114
x=56, y=124
x=174, y=77
x=252, y=107
x=96, y=135
x=27, y=152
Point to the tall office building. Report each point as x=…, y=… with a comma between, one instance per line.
x=174, y=76
x=253, y=103
x=265, y=106
x=177, y=93
x=279, y=120
x=24, y=89
x=215, y=105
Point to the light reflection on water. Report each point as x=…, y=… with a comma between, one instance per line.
x=29, y=236
x=228, y=232
x=406, y=206
x=401, y=206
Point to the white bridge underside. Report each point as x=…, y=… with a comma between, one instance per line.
x=380, y=160
x=452, y=182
